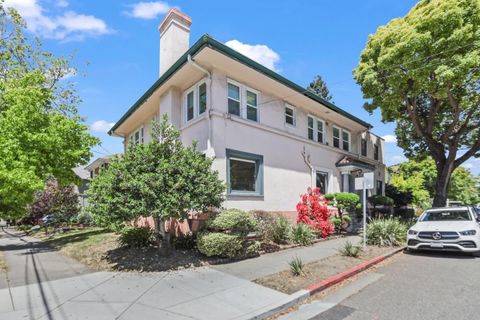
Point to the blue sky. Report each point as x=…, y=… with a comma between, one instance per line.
x=115, y=46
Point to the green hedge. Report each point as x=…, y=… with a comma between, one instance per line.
x=232, y=220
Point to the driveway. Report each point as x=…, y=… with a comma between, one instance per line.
x=63, y=289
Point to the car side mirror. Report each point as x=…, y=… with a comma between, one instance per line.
x=478, y=219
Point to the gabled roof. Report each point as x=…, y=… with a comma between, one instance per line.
x=207, y=41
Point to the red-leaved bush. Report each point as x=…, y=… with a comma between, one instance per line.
x=313, y=210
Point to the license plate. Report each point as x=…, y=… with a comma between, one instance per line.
x=436, y=245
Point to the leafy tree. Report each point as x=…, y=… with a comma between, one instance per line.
x=423, y=71
x=162, y=179
x=464, y=187
x=41, y=133
x=400, y=198
x=56, y=200
x=319, y=87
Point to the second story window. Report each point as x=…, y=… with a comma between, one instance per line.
x=346, y=140
x=316, y=129
x=290, y=115
x=336, y=137
x=375, y=152
x=364, y=147
x=195, y=101
x=242, y=101
x=137, y=136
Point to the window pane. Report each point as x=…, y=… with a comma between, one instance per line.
x=289, y=112
x=202, y=98
x=364, y=147
x=336, y=133
x=346, y=136
x=251, y=113
x=321, y=182
x=233, y=91
x=233, y=107
x=310, y=133
x=346, y=146
x=242, y=175
x=289, y=118
x=190, y=106
x=251, y=98
x=310, y=122
x=320, y=136
x=375, y=152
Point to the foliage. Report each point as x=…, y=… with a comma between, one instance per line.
x=386, y=232
x=233, y=220
x=136, y=237
x=341, y=224
x=422, y=72
x=186, y=242
x=296, y=266
x=400, y=198
x=84, y=218
x=219, y=244
x=319, y=87
x=280, y=230
x=302, y=234
x=419, y=179
x=344, y=202
x=379, y=200
x=61, y=203
x=350, y=250
x=163, y=179
x=313, y=210
x=24, y=227
x=41, y=133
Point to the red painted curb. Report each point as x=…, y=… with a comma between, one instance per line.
x=319, y=286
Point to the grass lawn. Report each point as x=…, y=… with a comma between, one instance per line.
x=88, y=245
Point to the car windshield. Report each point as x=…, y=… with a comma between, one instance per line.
x=447, y=215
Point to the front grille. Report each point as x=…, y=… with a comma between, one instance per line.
x=446, y=235
x=412, y=242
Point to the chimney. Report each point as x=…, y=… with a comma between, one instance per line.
x=174, y=38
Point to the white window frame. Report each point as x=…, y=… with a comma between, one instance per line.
x=339, y=137
x=196, y=101
x=316, y=120
x=294, y=115
x=243, y=100
x=141, y=135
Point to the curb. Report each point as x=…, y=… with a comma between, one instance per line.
x=320, y=286
x=303, y=294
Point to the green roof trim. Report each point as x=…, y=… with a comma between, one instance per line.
x=207, y=40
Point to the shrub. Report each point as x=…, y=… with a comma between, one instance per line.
x=296, y=266
x=133, y=237
x=386, y=232
x=312, y=210
x=24, y=227
x=302, y=234
x=280, y=230
x=219, y=244
x=233, y=220
x=186, y=242
x=350, y=250
x=84, y=217
x=252, y=248
x=265, y=221
x=344, y=202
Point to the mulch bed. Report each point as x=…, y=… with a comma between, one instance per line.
x=318, y=271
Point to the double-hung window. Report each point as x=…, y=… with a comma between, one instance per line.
x=375, y=152
x=341, y=138
x=244, y=173
x=242, y=101
x=289, y=115
x=137, y=136
x=195, y=101
x=363, y=147
x=316, y=129
x=336, y=137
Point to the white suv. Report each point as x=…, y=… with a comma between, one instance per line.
x=449, y=229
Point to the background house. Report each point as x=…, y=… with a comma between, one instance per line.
x=269, y=137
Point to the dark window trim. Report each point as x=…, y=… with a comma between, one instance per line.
x=259, y=165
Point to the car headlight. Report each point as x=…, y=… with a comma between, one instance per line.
x=412, y=232
x=468, y=233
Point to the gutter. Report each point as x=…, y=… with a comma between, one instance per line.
x=210, y=150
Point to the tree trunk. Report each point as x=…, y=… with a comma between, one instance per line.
x=444, y=172
x=162, y=237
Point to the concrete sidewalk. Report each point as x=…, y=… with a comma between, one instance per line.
x=251, y=269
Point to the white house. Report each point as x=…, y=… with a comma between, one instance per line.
x=270, y=138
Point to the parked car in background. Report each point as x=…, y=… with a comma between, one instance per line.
x=448, y=229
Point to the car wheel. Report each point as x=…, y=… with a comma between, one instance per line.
x=410, y=250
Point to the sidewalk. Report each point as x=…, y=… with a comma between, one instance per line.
x=251, y=269
x=63, y=289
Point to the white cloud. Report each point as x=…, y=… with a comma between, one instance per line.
x=67, y=25
x=148, y=10
x=61, y=3
x=101, y=126
x=258, y=52
x=389, y=138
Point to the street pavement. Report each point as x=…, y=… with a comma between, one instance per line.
x=412, y=286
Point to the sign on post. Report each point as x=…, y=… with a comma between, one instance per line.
x=364, y=183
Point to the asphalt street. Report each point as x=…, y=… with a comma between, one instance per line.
x=416, y=286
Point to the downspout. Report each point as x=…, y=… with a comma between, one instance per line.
x=210, y=151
